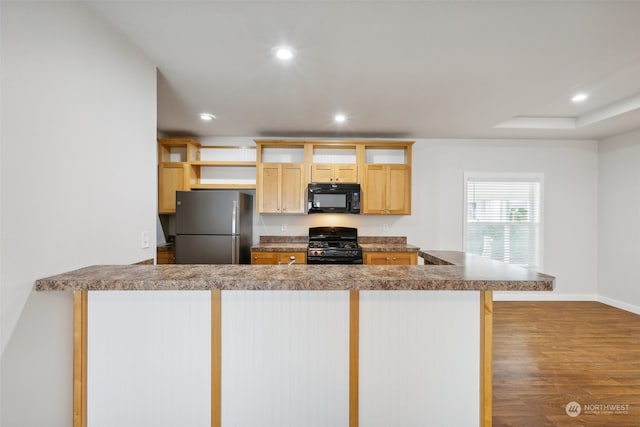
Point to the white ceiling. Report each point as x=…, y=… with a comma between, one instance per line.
x=407, y=69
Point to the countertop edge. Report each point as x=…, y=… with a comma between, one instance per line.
x=469, y=273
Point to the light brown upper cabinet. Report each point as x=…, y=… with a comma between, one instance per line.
x=172, y=177
x=386, y=184
x=341, y=172
x=281, y=179
x=334, y=162
x=281, y=188
x=174, y=157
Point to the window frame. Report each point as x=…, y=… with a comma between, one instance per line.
x=507, y=176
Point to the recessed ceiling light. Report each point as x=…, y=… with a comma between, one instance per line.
x=284, y=53
x=579, y=97
x=339, y=118
x=206, y=117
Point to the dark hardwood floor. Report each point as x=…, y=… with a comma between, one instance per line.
x=548, y=354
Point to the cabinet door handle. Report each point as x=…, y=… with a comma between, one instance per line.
x=234, y=217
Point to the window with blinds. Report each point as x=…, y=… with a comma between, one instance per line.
x=503, y=218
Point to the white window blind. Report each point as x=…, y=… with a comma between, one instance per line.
x=503, y=218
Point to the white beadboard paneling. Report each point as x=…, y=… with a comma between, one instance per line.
x=419, y=358
x=334, y=155
x=285, y=358
x=149, y=359
x=228, y=175
x=384, y=155
x=232, y=154
x=282, y=155
x=177, y=154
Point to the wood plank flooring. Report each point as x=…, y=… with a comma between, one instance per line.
x=547, y=354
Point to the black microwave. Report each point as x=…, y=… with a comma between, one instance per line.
x=333, y=198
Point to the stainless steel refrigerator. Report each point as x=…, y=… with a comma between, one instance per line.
x=214, y=227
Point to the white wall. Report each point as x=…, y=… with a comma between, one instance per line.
x=619, y=230
x=570, y=171
x=78, y=185
x=1, y=204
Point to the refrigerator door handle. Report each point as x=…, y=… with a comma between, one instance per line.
x=234, y=250
x=234, y=217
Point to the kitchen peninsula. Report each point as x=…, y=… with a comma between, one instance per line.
x=333, y=345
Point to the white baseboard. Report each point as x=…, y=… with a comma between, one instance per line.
x=541, y=296
x=619, y=304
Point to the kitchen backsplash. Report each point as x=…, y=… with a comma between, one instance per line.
x=389, y=240
x=367, y=225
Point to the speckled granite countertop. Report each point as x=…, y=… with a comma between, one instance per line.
x=368, y=243
x=468, y=272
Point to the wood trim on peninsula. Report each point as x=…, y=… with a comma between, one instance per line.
x=486, y=358
x=80, y=305
x=216, y=358
x=354, y=357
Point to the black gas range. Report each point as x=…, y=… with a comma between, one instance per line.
x=333, y=245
